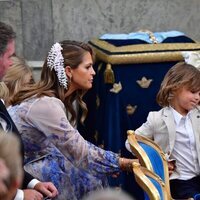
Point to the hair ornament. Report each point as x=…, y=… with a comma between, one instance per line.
x=55, y=61
x=192, y=58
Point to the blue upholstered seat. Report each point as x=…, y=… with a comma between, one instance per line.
x=155, y=158
x=152, y=159
x=153, y=186
x=150, y=155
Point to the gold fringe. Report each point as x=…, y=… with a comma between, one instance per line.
x=109, y=74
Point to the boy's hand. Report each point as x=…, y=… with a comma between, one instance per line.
x=171, y=166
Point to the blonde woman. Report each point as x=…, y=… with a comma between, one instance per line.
x=18, y=76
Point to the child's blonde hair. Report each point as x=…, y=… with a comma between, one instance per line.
x=180, y=75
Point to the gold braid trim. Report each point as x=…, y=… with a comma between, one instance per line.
x=141, y=53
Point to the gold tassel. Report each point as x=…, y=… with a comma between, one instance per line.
x=109, y=74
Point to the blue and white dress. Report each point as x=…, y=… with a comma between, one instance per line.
x=56, y=152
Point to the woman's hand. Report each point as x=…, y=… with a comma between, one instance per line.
x=127, y=164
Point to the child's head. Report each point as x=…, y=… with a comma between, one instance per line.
x=181, y=75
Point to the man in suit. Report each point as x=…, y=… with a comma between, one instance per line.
x=32, y=188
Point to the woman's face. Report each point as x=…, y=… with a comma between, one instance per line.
x=82, y=76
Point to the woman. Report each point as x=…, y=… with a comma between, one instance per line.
x=54, y=149
x=17, y=77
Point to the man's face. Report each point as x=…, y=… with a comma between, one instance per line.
x=5, y=59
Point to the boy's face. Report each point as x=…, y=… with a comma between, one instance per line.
x=5, y=59
x=185, y=100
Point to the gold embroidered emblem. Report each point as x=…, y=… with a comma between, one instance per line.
x=117, y=87
x=144, y=82
x=130, y=109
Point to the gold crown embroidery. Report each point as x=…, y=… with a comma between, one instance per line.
x=144, y=82
x=117, y=87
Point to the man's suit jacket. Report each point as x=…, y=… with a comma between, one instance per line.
x=11, y=127
x=160, y=127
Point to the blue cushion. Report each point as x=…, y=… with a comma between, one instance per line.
x=157, y=186
x=155, y=159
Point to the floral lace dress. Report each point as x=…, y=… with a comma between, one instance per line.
x=56, y=152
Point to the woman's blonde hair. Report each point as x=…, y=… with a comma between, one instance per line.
x=180, y=75
x=73, y=53
x=4, y=91
x=16, y=77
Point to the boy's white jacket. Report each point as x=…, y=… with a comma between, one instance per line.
x=162, y=131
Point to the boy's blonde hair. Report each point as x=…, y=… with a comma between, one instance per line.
x=180, y=75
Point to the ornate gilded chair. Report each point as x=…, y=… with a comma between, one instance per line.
x=153, y=186
x=150, y=155
x=153, y=164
